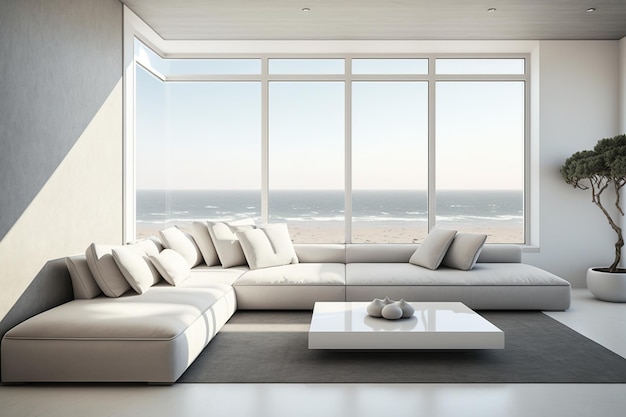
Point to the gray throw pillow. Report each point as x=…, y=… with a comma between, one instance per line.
x=431, y=252
x=464, y=251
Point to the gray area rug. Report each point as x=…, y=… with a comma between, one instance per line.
x=264, y=346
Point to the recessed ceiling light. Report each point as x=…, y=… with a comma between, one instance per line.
x=491, y=9
x=306, y=9
x=591, y=10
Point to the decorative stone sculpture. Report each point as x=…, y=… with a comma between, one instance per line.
x=407, y=309
x=375, y=308
x=390, y=309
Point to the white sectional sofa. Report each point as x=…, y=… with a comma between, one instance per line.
x=154, y=336
x=498, y=281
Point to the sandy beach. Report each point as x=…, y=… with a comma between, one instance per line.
x=371, y=232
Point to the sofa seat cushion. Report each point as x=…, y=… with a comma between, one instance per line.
x=488, y=286
x=481, y=274
x=291, y=287
x=162, y=313
x=209, y=275
x=296, y=274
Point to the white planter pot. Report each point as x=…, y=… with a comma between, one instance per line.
x=607, y=286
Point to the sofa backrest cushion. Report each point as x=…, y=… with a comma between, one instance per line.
x=321, y=252
x=83, y=281
x=379, y=252
x=401, y=252
x=500, y=253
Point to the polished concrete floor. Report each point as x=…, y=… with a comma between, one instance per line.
x=603, y=322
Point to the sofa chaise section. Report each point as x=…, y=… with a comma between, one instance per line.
x=151, y=337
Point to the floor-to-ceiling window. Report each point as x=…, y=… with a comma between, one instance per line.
x=342, y=149
x=479, y=158
x=198, y=146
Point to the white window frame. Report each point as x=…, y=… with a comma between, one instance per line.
x=348, y=50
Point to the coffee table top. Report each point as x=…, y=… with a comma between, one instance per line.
x=435, y=325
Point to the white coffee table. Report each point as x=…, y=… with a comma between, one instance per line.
x=435, y=325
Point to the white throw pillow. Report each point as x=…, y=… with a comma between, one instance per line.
x=135, y=266
x=200, y=233
x=267, y=246
x=183, y=243
x=464, y=251
x=105, y=270
x=172, y=266
x=83, y=282
x=431, y=252
x=149, y=247
x=226, y=242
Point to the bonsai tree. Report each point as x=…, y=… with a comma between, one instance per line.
x=603, y=168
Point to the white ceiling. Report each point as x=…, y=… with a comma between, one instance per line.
x=383, y=19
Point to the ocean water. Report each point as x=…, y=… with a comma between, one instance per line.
x=473, y=208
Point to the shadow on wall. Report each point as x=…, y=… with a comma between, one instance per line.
x=60, y=62
x=51, y=287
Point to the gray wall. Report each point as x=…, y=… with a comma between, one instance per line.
x=60, y=144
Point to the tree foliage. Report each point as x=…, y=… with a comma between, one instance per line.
x=600, y=169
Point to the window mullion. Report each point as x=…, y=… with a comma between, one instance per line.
x=432, y=119
x=264, y=141
x=348, y=151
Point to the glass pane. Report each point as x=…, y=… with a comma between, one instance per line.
x=390, y=66
x=306, y=161
x=389, y=162
x=208, y=167
x=150, y=152
x=306, y=66
x=480, y=158
x=214, y=66
x=480, y=66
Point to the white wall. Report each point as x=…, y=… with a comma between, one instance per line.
x=578, y=105
x=622, y=71
x=60, y=138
